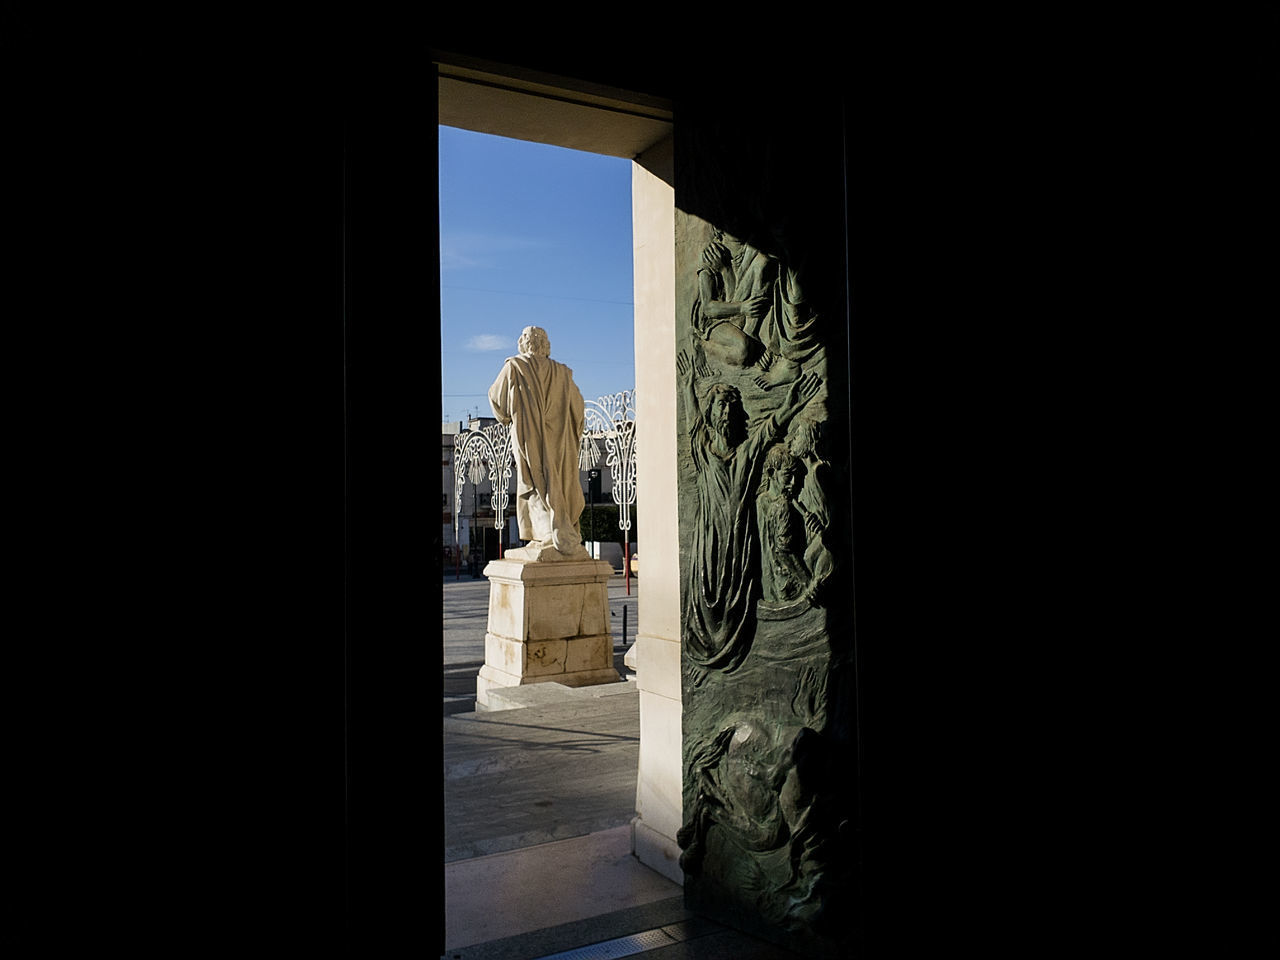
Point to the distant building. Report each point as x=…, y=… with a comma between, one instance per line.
x=480, y=541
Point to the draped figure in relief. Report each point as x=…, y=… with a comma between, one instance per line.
x=727, y=453
x=751, y=309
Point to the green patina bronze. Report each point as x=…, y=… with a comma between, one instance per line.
x=766, y=659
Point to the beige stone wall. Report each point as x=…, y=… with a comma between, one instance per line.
x=657, y=650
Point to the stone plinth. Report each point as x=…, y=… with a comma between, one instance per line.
x=548, y=622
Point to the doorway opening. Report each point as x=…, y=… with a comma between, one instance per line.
x=530, y=235
x=592, y=813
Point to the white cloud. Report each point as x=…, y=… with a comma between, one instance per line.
x=453, y=260
x=461, y=251
x=487, y=342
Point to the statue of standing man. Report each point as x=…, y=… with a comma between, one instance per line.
x=537, y=397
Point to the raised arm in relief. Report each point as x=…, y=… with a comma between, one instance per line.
x=686, y=375
x=799, y=393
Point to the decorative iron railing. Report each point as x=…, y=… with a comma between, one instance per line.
x=481, y=454
x=610, y=421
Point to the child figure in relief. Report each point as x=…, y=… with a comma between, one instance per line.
x=782, y=571
x=805, y=442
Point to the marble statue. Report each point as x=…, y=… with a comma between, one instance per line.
x=537, y=397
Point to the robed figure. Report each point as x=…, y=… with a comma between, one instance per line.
x=751, y=310
x=538, y=398
x=723, y=578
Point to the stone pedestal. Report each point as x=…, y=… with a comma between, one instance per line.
x=548, y=621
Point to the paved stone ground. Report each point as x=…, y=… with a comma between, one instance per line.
x=515, y=778
x=563, y=767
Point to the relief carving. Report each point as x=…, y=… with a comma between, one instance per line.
x=804, y=443
x=783, y=575
x=726, y=451
x=751, y=311
x=763, y=818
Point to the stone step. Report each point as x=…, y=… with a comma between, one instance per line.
x=548, y=694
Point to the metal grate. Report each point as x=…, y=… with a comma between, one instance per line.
x=621, y=947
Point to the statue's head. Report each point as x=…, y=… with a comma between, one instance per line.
x=783, y=470
x=534, y=340
x=804, y=437
x=724, y=410
x=725, y=236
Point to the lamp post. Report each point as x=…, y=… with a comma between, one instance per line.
x=593, y=487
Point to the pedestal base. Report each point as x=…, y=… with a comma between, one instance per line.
x=548, y=621
x=545, y=553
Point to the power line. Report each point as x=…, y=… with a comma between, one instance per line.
x=544, y=296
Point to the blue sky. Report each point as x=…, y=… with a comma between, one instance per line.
x=532, y=234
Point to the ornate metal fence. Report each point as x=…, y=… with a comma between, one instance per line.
x=610, y=420
x=478, y=454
